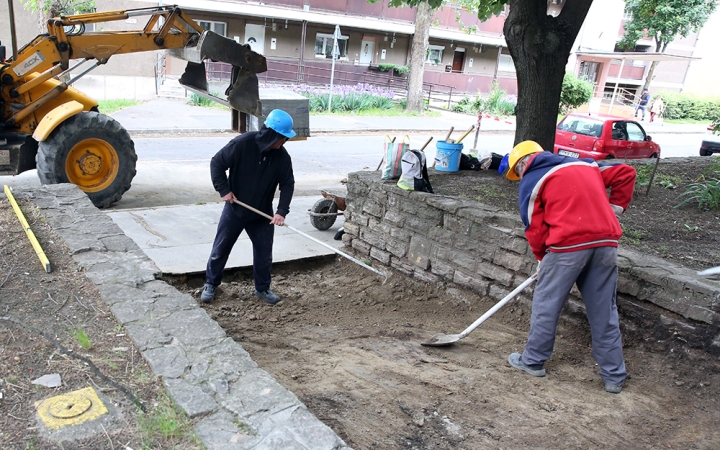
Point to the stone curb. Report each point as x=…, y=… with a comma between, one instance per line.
x=207, y=374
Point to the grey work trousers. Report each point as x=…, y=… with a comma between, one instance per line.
x=595, y=272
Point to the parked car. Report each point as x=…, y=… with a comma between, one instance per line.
x=710, y=143
x=601, y=136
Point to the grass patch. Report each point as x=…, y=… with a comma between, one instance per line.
x=165, y=425
x=111, y=106
x=687, y=121
x=82, y=338
x=632, y=235
x=489, y=191
x=198, y=100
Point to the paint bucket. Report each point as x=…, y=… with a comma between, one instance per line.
x=447, y=157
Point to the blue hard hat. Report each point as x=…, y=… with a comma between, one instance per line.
x=504, y=164
x=281, y=122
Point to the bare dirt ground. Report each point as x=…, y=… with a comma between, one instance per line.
x=349, y=347
x=40, y=315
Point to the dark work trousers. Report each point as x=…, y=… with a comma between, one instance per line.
x=261, y=234
x=595, y=272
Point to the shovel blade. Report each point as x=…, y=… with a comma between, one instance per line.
x=442, y=340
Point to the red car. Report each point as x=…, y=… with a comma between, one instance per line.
x=600, y=136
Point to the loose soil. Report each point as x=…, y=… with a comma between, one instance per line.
x=40, y=313
x=349, y=346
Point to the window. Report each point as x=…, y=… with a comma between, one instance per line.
x=582, y=125
x=324, y=46
x=505, y=64
x=435, y=54
x=217, y=27
x=635, y=133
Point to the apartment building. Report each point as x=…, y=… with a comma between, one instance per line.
x=296, y=37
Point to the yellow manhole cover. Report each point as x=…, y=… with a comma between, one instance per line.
x=70, y=409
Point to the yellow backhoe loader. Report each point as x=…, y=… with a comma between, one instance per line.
x=47, y=124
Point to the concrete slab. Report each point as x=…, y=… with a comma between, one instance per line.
x=179, y=238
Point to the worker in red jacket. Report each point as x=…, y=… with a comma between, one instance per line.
x=573, y=230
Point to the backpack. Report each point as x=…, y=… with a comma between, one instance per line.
x=414, y=175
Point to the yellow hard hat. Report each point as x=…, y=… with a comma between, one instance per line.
x=517, y=153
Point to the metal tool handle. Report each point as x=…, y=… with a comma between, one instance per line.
x=497, y=306
x=356, y=261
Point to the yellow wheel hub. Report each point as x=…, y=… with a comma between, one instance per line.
x=92, y=165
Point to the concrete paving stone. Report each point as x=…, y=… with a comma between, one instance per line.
x=256, y=396
x=145, y=337
x=192, y=327
x=219, y=432
x=168, y=361
x=193, y=401
x=305, y=429
x=133, y=268
x=226, y=360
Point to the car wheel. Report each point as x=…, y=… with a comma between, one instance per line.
x=610, y=157
x=654, y=155
x=704, y=152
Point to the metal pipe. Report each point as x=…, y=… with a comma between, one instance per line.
x=617, y=82
x=13, y=34
x=345, y=255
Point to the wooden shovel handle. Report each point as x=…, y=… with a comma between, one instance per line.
x=465, y=135
x=426, y=144
x=449, y=133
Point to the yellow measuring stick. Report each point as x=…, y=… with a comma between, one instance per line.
x=31, y=236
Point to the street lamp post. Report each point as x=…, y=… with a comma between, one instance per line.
x=335, y=53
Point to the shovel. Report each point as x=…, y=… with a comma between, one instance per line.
x=345, y=255
x=443, y=340
x=453, y=141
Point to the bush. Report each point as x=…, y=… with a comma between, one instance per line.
x=689, y=106
x=346, y=98
x=575, y=92
x=497, y=103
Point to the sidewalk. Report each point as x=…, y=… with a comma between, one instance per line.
x=165, y=115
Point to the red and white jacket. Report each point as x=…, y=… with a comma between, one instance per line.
x=564, y=202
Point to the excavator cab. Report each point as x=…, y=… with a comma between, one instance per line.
x=47, y=124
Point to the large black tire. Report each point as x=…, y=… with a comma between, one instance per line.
x=92, y=151
x=704, y=152
x=324, y=206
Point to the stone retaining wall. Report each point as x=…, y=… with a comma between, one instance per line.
x=441, y=238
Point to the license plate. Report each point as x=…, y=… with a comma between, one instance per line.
x=567, y=153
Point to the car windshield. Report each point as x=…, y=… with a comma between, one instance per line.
x=581, y=125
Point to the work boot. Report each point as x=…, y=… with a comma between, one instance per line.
x=613, y=388
x=208, y=293
x=269, y=296
x=536, y=370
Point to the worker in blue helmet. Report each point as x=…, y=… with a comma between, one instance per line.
x=258, y=165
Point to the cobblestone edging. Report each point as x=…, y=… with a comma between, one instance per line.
x=435, y=237
x=205, y=371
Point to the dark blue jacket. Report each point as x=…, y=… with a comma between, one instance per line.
x=255, y=173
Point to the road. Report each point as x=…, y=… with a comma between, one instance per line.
x=173, y=170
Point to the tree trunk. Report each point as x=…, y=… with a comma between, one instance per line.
x=653, y=66
x=423, y=17
x=540, y=46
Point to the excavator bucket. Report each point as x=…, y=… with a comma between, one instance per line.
x=243, y=94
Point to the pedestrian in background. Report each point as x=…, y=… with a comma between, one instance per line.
x=657, y=108
x=573, y=230
x=642, y=104
x=258, y=165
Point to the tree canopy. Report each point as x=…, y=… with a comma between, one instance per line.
x=664, y=20
x=53, y=8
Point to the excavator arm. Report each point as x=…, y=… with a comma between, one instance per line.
x=169, y=29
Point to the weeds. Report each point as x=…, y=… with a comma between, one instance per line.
x=705, y=194
x=692, y=229
x=82, y=338
x=165, y=422
x=198, y=100
x=634, y=236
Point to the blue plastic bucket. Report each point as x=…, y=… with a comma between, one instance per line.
x=447, y=157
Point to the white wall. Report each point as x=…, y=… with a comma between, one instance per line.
x=702, y=77
x=600, y=29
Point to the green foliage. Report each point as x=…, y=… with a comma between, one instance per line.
x=165, y=422
x=110, y=106
x=705, y=193
x=82, y=338
x=575, y=92
x=485, y=8
x=689, y=106
x=497, y=103
x=663, y=20
x=54, y=8
x=385, y=67
x=199, y=100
